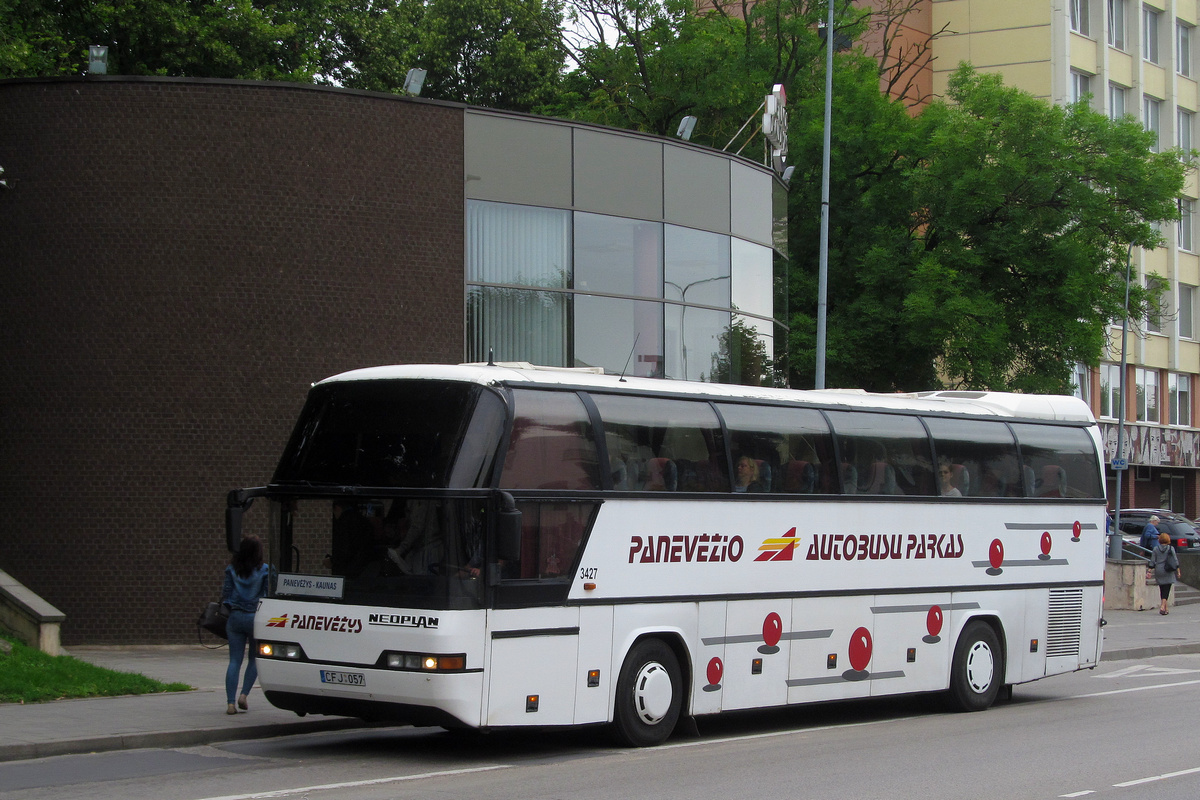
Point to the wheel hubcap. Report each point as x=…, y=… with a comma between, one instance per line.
x=652, y=693
x=980, y=667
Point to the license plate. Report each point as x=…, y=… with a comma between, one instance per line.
x=343, y=678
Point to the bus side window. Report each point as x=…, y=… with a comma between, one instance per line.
x=662, y=445
x=551, y=446
x=792, y=447
x=1061, y=461
x=981, y=455
x=889, y=453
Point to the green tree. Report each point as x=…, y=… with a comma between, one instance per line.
x=249, y=39
x=495, y=53
x=645, y=64
x=32, y=41
x=1010, y=263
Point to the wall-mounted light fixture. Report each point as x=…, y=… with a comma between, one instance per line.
x=97, y=59
x=686, y=126
x=414, y=81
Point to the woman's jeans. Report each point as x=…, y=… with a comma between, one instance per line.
x=241, y=633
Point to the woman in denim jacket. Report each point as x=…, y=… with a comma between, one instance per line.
x=246, y=580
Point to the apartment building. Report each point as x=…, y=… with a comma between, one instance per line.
x=1129, y=57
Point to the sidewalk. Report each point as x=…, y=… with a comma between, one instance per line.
x=182, y=719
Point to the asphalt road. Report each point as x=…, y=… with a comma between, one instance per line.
x=1126, y=731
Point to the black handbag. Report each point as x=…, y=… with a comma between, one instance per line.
x=213, y=618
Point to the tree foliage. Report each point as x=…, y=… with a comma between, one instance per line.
x=1007, y=260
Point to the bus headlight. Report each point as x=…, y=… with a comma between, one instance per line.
x=424, y=662
x=285, y=650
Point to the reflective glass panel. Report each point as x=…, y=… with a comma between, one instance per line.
x=618, y=256
x=518, y=325
x=612, y=333
x=693, y=342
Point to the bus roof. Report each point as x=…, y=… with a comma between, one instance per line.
x=998, y=404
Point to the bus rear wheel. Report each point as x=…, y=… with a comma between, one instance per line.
x=978, y=669
x=649, y=695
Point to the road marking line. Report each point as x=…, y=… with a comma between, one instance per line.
x=1145, y=670
x=1079, y=794
x=790, y=732
x=1162, y=777
x=1135, y=689
x=354, y=784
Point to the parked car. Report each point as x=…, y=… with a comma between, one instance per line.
x=1182, y=531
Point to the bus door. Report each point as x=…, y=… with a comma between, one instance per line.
x=533, y=636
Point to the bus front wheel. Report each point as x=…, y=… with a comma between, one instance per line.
x=649, y=695
x=978, y=669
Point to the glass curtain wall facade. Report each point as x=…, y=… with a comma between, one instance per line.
x=668, y=268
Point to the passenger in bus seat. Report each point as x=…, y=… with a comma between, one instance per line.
x=747, y=477
x=661, y=475
x=765, y=474
x=849, y=475
x=801, y=477
x=1053, y=481
x=946, y=476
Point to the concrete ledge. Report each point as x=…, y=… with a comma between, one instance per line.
x=1126, y=587
x=32, y=619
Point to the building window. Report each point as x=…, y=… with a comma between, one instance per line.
x=1147, y=394
x=1079, y=17
x=1183, y=49
x=1110, y=391
x=1116, y=101
x=1150, y=109
x=1081, y=85
x=1179, y=398
x=1187, y=310
x=1150, y=34
x=1116, y=23
x=1081, y=383
x=1183, y=130
x=1154, y=288
x=510, y=246
x=1186, y=209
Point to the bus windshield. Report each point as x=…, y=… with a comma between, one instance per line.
x=401, y=434
x=381, y=485
x=418, y=552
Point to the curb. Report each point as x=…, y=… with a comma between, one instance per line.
x=1151, y=651
x=189, y=738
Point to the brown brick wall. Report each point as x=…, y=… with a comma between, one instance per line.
x=179, y=260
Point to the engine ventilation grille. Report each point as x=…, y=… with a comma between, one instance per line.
x=1065, y=622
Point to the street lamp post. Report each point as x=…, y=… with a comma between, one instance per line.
x=1120, y=463
x=823, y=263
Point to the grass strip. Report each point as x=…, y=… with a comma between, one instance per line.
x=27, y=675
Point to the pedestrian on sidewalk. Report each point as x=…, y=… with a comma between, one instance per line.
x=1150, y=533
x=246, y=580
x=1165, y=563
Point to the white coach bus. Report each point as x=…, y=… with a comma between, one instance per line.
x=492, y=546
